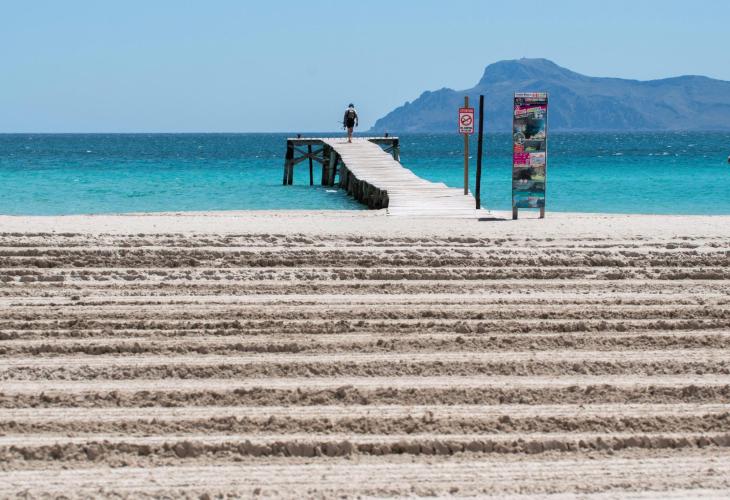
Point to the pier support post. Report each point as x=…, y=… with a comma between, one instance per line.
x=338, y=164
x=311, y=167
x=326, y=154
x=396, y=149
x=344, y=174
x=332, y=168
x=288, y=164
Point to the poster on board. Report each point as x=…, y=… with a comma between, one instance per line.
x=529, y=153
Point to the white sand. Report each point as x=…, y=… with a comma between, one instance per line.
x=376, y=223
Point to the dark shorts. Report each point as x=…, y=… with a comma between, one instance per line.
x=349, y=123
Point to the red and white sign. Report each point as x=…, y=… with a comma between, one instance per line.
x=466, y=120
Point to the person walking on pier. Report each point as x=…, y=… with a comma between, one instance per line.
x=350, y=121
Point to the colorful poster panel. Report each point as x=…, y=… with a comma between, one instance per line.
x=529, y=161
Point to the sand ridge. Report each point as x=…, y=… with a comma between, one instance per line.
x=328, y=354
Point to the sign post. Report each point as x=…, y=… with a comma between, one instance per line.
x=466, y=127
x=529, y=151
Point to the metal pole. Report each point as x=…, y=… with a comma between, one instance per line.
x=311, y=167
x=466, y=153
x=478, y=187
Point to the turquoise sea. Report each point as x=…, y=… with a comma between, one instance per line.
x=658, y=173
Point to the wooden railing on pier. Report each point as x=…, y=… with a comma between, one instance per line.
x=370, y=171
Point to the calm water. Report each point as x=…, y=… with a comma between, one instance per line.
x=668, y=173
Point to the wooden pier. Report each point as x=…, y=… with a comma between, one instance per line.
x=370, y=171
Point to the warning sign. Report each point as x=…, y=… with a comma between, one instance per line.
x=466, y=120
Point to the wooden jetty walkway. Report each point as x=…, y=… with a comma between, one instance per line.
x=370, y=171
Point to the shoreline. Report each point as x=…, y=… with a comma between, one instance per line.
x=564, y=225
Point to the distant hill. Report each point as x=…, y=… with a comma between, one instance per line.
x=577, y=102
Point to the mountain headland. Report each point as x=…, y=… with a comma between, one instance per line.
x=577, y=102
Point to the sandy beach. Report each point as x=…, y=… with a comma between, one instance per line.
x=315, y=354
x=374, y=223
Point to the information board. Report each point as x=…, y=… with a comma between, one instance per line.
x=529, y=153
x=466, y=120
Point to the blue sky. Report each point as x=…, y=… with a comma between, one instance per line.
x=230, y=66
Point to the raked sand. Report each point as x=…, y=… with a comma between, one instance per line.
x=321, y=354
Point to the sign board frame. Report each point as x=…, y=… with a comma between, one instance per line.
x=529, y=151
x=466, y=121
